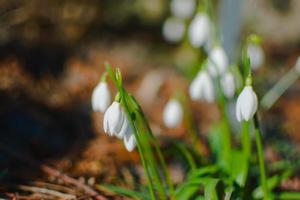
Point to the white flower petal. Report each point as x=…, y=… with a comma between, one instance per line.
x=183, y=8
x=173, y=29
x=246, y=104
x=256, y=56
x=199, y=30
x=125, y=129
x=101, y=97
x=202, y=88
x=172, y=115
x=228, y=84
x=129, y=141
x=218, y=61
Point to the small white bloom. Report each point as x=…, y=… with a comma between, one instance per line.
x=101, y=97
x=183, y=8
x=172, y=114
x=217, y=61
x=256, y=55
x=116, y=123
x=297, y=66
x=199, y=30
x=246, y=105
x=129, y=141
x=173, y=29
x=228, y=84
x=113, y=119
x=202, y=87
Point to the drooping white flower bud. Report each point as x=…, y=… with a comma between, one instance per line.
x=172, y=114
x=116, y=123
x=173, y=29
x=129, y=141
x=202, y=87
x=217, y=61
x=246, y=105
x=183, y=8
x=228, y=84
x=101, y=97
x=113, y=119
x=297, y=66
x=199, y=30
x=256, y=55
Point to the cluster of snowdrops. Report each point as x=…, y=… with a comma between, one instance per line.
x=217, y=81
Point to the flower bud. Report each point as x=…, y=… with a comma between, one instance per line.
x=113, y=119
x=173, y=29
x=199, y=30
x=246, y=105
x=183, y=8
x=172, y=114
x=101, y=97
x=116, y=123
x=217, y=61
x=202, y=87
x=228, y=84
x=256, y=55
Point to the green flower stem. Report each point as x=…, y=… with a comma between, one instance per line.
x=157, y=149
x=279, y=88
x=148, y=166
x=246, y=140
x=225, y=135
x=141, y=152
x=260, y=155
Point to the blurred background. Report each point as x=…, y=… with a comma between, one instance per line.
x=52, y=55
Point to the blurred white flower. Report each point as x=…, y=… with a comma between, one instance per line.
x=297, y=66
x=217, y=61
x=202, y=87
x=101, y=97
x=256, y=55
x=172, y=114
x=199, y=30
x=246, y=105
x=129, y=141
x=173, y=29
x=228, y=84
x=183, y=8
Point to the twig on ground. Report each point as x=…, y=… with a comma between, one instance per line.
x=52, y=172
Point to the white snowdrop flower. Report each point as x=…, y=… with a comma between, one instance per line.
x=199, y=30
x=202, y=87
x=256, y=55
x=101, y=97
x=183, y=8
x=217, y=61
x=115, y=121
x=228, y=84
x=297, y=66
x=246, y=105
x=172, y=114
x=173, y=29
x=129, y=141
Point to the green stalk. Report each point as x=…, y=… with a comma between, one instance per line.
x=260, y=155
x=122, y=93
x=246, y=141
x=141, y=152
x=157, y=149
x=226, y=137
